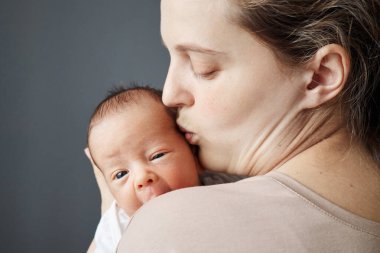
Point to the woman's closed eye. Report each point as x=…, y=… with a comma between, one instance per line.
x=203, y=68
x=205, y=75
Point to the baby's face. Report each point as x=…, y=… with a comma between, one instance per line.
x=141, y=154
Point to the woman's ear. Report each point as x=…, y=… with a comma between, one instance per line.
x=329, y=70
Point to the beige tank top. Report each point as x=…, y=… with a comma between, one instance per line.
x=270, y=213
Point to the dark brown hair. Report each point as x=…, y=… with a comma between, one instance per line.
x=296, y=29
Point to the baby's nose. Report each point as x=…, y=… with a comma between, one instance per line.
x=145, y=179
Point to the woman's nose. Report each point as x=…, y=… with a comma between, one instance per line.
x=144, y=178
x=176, y=92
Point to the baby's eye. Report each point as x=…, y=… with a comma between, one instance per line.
x=159, y=155
x=121, y=174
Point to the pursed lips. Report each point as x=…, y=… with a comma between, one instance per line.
x=190, y=136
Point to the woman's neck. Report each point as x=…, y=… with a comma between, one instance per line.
x=341, y=170
x=316, y=150
x=284, y=140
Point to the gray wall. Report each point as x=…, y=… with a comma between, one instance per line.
x=57, y=61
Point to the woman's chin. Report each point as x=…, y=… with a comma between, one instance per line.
x=212, y=161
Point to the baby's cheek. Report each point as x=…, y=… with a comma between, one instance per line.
x=188, y=179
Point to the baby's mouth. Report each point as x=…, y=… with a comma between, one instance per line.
x=147, y=195
x=151, y=192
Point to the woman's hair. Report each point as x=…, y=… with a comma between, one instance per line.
x=296, y=29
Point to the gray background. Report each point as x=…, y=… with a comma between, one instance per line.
x=57, y=61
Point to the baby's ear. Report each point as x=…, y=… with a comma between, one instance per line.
x=329, y=69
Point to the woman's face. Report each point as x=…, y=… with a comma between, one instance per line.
x=230, y=90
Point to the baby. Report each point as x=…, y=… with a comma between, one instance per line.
x=133, y=139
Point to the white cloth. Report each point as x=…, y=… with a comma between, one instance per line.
x=110, y=228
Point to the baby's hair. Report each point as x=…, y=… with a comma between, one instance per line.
x=120, y=97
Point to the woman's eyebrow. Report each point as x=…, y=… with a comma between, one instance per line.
x=197, y=49
x=194, y=48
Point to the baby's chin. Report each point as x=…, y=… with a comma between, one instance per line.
x=152, y=192
x=144, y=197
x=131, y=209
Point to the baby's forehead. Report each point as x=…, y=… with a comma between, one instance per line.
x=150, y=105
x=142, y=108
x=145, y=111
x=153, y=106
x=139, y=126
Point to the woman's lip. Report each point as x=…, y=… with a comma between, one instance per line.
x=190, y=136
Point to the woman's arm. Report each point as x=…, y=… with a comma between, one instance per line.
x=92, y=247
x=105, y=195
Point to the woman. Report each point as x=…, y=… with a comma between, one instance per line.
x=286, y=92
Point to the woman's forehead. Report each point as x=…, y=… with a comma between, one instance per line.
x=194, y=21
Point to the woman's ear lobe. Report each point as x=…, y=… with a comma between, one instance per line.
x=330, y=68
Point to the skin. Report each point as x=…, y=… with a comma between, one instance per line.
x=205, y=62
x=250, y=113
x=141, y=154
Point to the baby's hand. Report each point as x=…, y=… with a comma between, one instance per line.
x=105, y=194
